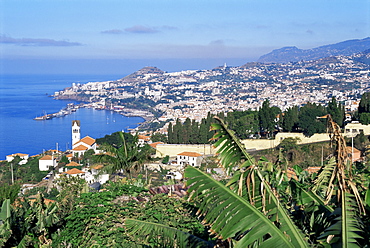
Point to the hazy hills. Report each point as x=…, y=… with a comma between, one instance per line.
x=294, y=54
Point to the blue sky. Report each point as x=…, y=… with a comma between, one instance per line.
x=119, y=36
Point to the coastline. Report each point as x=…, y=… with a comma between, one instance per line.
x=126, y=112
x=24, y=98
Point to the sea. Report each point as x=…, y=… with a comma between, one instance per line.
x=24, y=97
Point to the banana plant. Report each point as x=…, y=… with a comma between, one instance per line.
x=251, y=208
x=128, y=158
x=5, y=222
x=165, y=235
x=256, y=206
x=337, y=184
x=247, y=210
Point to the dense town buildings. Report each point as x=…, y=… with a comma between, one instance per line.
x=194, y=93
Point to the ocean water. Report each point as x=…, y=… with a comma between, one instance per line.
x=24, y=97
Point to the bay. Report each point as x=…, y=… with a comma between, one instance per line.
x=24, y=97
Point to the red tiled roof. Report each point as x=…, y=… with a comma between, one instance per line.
x=46, y=157
x=87, y=140
x=80, y=148
x=146, y=138
x=349, y=150
x=74, y=171
x=154, y=145
x=97, y=167
x=73, y=163
x=190, y=154
x=56, y=151
x=18, y=154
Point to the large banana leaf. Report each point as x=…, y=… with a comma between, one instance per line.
x=5, y=210
x=367, y=196
x=305, y=196
x=231, y=151
x=5, y=225
x=230, y=215
x=167, y=236
x=346, y=229
x=251, y=185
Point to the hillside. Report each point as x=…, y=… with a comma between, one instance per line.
x=294, y=54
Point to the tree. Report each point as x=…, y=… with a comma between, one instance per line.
x=290, y=119
x=364, y=109
x=170, y=134
x=114, y=139
x=364, y=118
x=244, y=123
x=159, y=137
x=203, y=132
x=308, y=122
x=9, y=192
x=336, y=110
x=267, y=116
x=194, y=134
x=186, y=131
x=128, y=157
x=177, y=130
x=364, y=106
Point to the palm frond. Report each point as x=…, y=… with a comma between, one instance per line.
x=252, y=184
x=324, y=181
x=231, y=215
x=232, y=151
x=304, y=196
x=367, y=196
x=167, y=236
x=346, y=230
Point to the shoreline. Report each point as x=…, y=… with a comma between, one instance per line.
x=71, y=107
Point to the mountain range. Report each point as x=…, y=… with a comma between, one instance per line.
x=294, y=54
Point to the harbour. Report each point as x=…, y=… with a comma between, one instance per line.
x=71, y=108
x=23, y=97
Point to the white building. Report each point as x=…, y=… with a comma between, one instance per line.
x=47, y=162
x=76, y=131
x=189, y=158
x=84, y=144
x=24, y=157
x=80, y=146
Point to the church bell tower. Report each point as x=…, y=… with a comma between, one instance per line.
x=76, y=135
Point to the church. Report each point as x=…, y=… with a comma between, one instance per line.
x=80, y=146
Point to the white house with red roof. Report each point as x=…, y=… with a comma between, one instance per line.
x=84, y=144
x=143, y=139
x=189, y=158
x=75, y=172
x=46, y=162
x=80, y=146
x=23, y=156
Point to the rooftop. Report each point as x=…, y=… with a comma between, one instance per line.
x=190, y=154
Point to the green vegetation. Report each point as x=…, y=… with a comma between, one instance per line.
x=265, y=122
x=25, y=173
x=261, y=206
x=190, y=132
x=127, y=156
x=266, y=200
x=364, y=109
